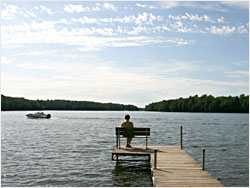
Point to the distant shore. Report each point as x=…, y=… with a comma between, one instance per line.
x=204, y=104
x=15, y=103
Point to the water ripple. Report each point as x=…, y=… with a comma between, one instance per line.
x=74, y=148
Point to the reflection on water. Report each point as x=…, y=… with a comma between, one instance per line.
x=73, y=149
x=131, y=173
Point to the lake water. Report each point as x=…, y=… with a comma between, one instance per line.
x=73, y=148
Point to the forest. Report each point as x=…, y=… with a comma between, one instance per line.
x=203, y=104
x=14, y=103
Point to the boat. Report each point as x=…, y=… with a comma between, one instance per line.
x=38, y=115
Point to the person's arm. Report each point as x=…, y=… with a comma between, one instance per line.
x=122, y=124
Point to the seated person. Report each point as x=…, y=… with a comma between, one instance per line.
x=128, y=124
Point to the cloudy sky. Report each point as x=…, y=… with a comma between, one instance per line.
x=124, y=52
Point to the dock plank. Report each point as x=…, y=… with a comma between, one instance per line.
x=175, y=168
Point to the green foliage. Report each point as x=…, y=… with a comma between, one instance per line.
x=203, y=104
x=13, y=103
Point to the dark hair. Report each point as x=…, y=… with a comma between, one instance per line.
x=127, y=117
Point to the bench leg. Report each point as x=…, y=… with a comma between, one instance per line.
x=117, y=141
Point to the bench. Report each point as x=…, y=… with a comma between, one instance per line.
x=131, y=132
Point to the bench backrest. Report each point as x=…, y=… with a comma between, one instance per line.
x=132, y=131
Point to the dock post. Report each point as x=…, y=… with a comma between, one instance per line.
x=203, y=159
x=181, y=138
x=149, y=158
x=155, y=161
x=119, y=141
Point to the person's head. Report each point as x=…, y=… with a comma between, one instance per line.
x=127, y=117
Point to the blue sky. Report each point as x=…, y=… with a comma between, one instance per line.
x=124, y=52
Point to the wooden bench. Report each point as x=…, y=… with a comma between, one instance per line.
x=131, y=132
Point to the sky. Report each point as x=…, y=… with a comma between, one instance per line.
x=130, y=52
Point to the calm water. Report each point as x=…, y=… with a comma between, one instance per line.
x=74, y=148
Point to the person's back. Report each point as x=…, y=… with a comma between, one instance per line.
x=127, y=124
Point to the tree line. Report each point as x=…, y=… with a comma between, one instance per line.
x=14, y=103
x=203, y=104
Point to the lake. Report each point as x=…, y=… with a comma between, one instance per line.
x=74, y=148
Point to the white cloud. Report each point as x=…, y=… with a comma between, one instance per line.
x=221, y=20
x=241, y=63
x=45, y=9
x=196, y=17
x=141, y=18
x=153, y=18
x=145, y=6
x=63, y=77
x=119, y=30
x=35, y=53
x=75, y=8
x=238, y=4
x=146, y=18
x=45, y=25
x=181, y=27
x=206, y=5
x=222, y=83
x=140, y=5
x=38, y=66
x=96, y=8
x=236, y=74
x=169, y=4
x=152, y=7
x=89, y=48
x=161, y=28
x=85, y=20
x=179, y=24
x=82, y=33
x=104, y=31
x=170, y=67
x=181, y=41
x=137, y=30
x=9, y=11
x=224, y=30
x=79, y=8
x=192, y=17
x=109, y=6
x=46, y=33
x=29, y=13
x=242, y=29
x=186, y=30
x=13, y=11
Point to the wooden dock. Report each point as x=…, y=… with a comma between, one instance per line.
x=174, y=167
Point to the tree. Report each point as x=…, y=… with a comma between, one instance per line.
x=203, y=104
x=13, y=103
